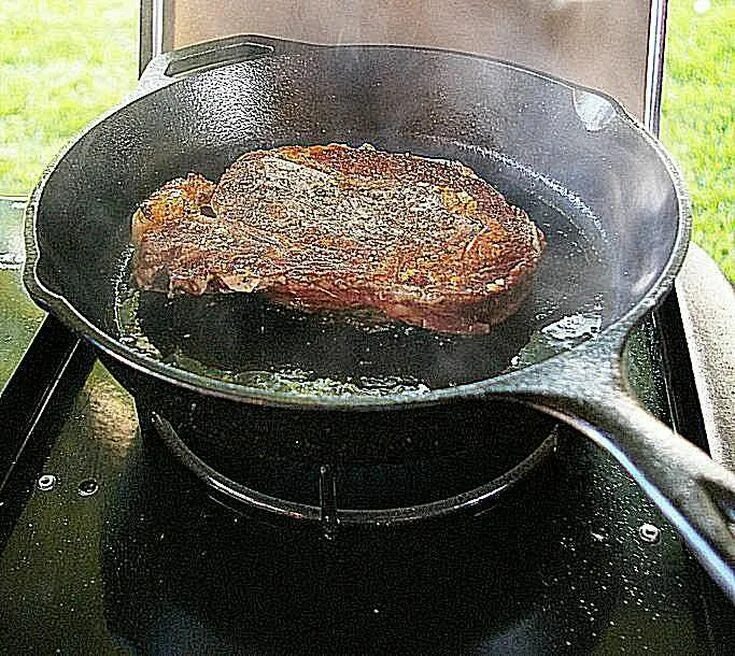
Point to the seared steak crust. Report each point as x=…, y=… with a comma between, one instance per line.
x=418, y=240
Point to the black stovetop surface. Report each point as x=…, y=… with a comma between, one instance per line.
x=122, y=552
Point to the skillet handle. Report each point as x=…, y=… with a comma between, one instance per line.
x=692, y=491
x=178, y=64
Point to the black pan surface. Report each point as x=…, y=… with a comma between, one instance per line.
x=246, y=339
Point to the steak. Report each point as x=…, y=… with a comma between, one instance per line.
x=423, y=241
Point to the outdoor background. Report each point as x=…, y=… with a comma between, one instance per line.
x=63, y=63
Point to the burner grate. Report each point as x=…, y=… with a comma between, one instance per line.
x=384, y=493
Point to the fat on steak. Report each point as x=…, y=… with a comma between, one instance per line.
x=418, y=240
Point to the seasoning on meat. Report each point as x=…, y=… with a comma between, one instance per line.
x=423, y=241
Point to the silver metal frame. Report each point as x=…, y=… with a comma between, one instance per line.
x=655, y=65
x=156, y=37
x=156, y=20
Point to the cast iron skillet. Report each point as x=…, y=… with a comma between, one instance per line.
x=602, y=189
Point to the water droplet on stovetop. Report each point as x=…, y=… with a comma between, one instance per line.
x=649, y=533
x=88, y=487
x=46, y=482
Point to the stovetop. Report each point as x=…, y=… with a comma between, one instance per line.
x=108, y=546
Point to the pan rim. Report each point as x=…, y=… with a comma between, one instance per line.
x=615, y=333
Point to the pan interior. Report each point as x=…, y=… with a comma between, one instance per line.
x=245, y=339
x=584, y=172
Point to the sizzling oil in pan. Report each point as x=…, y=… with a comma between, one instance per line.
x=246, y=339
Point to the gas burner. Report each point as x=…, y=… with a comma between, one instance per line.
x=395, y=468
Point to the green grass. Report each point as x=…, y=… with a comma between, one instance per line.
x=62, y=63
x=697, y=124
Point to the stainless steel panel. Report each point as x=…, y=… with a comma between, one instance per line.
x=600, y=44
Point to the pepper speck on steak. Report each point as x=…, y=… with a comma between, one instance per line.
x=423, y=241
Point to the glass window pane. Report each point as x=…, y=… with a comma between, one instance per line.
x=61, y=64
x=698, y=121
